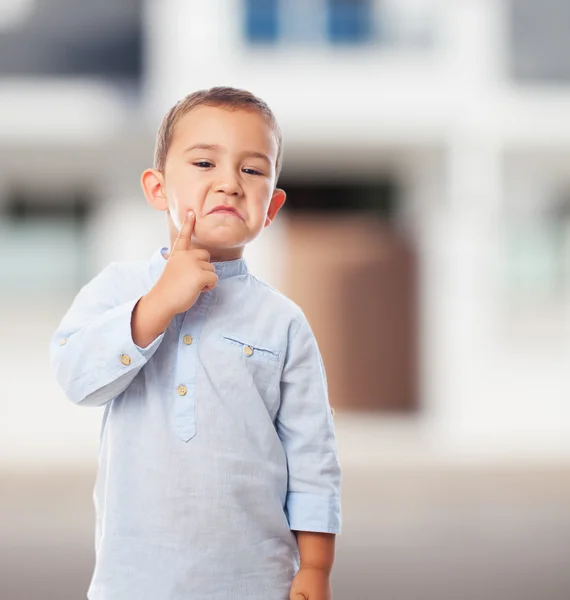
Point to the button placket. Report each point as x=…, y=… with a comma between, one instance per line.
x=182, y=389
x=185, y=402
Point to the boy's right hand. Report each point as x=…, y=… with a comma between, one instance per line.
x=188, y=271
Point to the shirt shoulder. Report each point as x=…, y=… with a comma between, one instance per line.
x=116, y=282
x=283, y=306
x=130, y=266
x=132, y=273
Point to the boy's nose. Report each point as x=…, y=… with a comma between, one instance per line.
x=229, y=186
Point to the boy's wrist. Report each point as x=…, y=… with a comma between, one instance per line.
x=316, y=551
x=149, y=320
x=158, y=305
x=324, y=570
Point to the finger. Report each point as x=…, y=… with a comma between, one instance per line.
x=184, y=238
x=211, y=282
x=202, y=254
x=207, y=266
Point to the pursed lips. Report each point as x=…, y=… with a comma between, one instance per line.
x=226, y=210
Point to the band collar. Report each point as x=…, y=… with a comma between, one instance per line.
x=224, y=269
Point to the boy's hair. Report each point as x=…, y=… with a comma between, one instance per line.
x=223, y=97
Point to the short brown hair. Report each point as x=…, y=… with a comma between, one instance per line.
x=225, y=97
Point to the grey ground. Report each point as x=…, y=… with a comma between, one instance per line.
x=410, y=533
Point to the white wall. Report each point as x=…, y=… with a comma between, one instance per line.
x=467, y=144
x=456, y=102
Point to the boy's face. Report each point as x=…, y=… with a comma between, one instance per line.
x=219, y=157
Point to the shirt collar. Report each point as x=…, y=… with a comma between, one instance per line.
x=224, y=269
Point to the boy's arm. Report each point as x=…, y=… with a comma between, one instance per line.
x=316, y=550
x=149, y=320
x=92, y=353
x=312, y=581
x=305, y=426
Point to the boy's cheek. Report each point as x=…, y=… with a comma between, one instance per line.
x=178, y=208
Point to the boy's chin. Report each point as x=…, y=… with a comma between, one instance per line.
x=220, y=243
x=222, y=238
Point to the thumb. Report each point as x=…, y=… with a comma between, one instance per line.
x=184, y=238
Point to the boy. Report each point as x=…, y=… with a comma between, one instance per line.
x=218, y=468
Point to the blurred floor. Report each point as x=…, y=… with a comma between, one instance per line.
x=413, y=530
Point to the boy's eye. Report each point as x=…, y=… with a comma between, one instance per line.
x=252, y=172
x=203, y=164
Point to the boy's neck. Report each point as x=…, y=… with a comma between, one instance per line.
x=226, y=258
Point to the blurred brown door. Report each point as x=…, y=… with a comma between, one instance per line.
x=355, y=278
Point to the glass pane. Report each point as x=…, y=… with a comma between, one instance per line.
x=261, y=21
x=42, y=244
x=350, y=21
x=66, y=37
x=539, y=40
x=39, y=258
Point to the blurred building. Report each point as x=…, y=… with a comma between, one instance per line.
x=426, y=146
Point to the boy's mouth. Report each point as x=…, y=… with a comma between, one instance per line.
x=225, y=209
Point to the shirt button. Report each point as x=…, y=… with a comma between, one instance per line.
x=182, y=390
x=332, y=411
x=63, y=341
x=248, y=350
x=125, y=359
x=187, y=339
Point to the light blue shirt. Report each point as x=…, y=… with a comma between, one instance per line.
x=217, y=440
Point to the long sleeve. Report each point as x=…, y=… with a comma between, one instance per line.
x=92, y=352
x=305, y=426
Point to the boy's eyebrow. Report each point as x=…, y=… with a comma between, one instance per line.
x=214, y=147
x=218, y=148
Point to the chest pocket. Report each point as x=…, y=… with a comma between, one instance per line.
x=259, y=361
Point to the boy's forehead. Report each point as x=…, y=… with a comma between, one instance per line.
x=218, y=125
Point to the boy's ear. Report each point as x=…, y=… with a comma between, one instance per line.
x=152, y=182
x=277, y=201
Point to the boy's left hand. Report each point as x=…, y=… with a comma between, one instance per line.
x=311, y=584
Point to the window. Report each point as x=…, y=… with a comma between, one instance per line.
x=377, y=198
x=539, y=40
x=349, y=21
x=301, y=21
x=540, y=253
x=46, y=232
x=536, y=271
x=262, y=21
x=70, y=38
